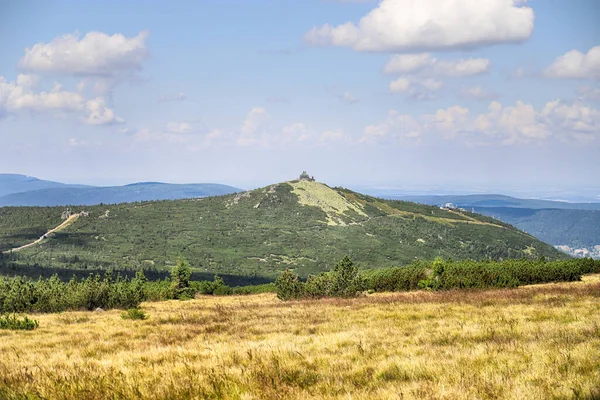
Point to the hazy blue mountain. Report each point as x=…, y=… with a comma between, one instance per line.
x=574, y=228
x=114, y=194
x=14, y=183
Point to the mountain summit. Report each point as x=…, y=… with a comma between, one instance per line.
x=301, y=224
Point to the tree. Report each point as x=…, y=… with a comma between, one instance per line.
x=180, y=278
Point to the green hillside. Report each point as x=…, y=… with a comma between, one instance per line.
x=303, y=225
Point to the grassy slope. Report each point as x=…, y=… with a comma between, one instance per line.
x=266, y=230
x=535, y=342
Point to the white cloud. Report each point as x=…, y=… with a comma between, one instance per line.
x=349, y=98
x=581, y=121
x=179, y=127
x=425, y=63
x=420, y=73
x=254, y=119
x=396, y=126
x=213, y=135
x=520, y=123
x=296, y=133
x=417, y=88
x=18, y=97
x=476, y=93
x=422, y=25
x=575, y=64
x=331, y=136
x=96, y=113
x=96, y=54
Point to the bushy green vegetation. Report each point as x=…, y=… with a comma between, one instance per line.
x=134, y=313
x=13, y=322
x=53, y=295
x=251, y=237
x=347, y=281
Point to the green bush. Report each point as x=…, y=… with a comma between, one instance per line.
x=345, y=280
x=396, y=279
x=53, y=295
x=134, y=313
x=180, y=278
x=13, y=322
x=217, y=287
x=289, y=286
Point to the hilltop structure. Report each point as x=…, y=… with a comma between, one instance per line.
x=305, y=177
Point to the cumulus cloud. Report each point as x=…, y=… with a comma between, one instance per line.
x=424, y=25
x=425, y=63
x=575, y=64
x=95, y=54
x=415, y=87
x=420, y=73
x=97, y=113
x=396, y=126
x=519, y=123
x=254, y=119
x=19, y=97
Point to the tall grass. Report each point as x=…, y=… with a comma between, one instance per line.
x=534, y=342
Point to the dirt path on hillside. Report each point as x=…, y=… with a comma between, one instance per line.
x=60, y=227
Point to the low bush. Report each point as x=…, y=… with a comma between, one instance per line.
x=134, y=313
x=13, y=322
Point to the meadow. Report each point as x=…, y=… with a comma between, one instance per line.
x=531, y=342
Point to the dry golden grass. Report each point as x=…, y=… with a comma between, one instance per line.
x=534, y=342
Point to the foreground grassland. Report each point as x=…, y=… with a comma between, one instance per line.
x=533, y=342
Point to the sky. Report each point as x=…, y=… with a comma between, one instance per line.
x=415, y=95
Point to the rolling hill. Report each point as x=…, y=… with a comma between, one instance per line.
x=574, y=227
x=303, y=225
x=20, y=190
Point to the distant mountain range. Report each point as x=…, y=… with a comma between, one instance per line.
x=573, y=227
x=21, y=190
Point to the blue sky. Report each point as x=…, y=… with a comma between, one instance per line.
x=462, y=94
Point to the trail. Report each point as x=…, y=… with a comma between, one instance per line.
x=60, y=227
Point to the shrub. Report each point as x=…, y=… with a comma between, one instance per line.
x=346, y=280
x=216, y=287
x=288, y=286
x=180, y=278
x=134, y=313
x=396, y=279
x=15, y=323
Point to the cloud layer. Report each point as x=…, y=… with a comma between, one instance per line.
x=20, y=97
x=519, y=123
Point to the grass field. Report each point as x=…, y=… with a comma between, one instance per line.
x=534, y=342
